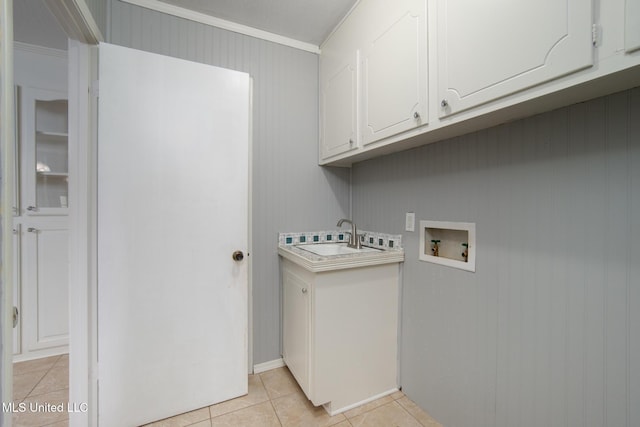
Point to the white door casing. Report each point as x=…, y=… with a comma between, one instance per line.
x=173, y=153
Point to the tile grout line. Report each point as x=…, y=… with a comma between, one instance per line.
x=40, y=380
x=270, y=400
x=411, y=415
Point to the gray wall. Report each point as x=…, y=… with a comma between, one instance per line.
x=99, y=9
x=547, y=331
x=290, y=191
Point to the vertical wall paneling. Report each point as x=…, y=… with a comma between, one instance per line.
x=546, y=331
x=98, y=10
x=290, y=192
x=633, y=273
x=594, y=204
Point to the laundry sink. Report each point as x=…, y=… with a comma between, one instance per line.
x=329, y=249
x=336, y=255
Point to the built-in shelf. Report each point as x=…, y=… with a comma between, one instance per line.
x=54, y=174
x=449, y=243
x=53, y=136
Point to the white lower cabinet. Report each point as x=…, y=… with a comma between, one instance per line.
x=44, y=282
x=340, y=332
x=17, y=307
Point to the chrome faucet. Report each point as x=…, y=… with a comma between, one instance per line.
x=354, y=239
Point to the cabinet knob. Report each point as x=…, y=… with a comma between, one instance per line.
x=350, y=141
x=237, y=256
x=444, y=103
x=32, y=230
x=416, y=115
x=32, y=208
x=304, y=290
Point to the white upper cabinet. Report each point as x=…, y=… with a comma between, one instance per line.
x=394, y=73
x=487, y=50
x=426, y=71
x=632, y=25
x=44, y=153
x=339, y=110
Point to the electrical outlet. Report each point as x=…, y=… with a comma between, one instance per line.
x=410, y=221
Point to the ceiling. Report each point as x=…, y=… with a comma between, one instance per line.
x=309, y=21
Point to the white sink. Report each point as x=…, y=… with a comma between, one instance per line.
x=327, y=249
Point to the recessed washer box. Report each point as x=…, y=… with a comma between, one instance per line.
x=452, y=240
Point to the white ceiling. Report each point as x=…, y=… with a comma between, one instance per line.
x=309, y=21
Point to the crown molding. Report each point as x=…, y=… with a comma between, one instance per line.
x=76, y=20
x=40, y=50
x=203, y=18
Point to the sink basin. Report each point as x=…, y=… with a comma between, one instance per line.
x=327, y=249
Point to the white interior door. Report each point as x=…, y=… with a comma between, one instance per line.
x=173, y=145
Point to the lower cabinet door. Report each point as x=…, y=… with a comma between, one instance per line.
x=296, y=331
x=45, y=286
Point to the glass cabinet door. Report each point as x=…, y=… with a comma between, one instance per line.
x=46, y=162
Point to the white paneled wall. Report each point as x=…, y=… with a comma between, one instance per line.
x=547, y=331
x=290, y=192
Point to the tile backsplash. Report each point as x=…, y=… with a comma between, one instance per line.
x=368, y=238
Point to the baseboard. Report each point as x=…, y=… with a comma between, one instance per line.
x=328, y=407
x=267, y=366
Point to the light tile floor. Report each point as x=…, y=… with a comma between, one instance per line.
x=274, y=399
x=37, y=382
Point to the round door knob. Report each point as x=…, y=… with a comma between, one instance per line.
x=237, y=256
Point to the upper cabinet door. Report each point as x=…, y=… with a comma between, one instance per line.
x=632, y=25
x=339, y=111
x=394, y=74
x=490, y=49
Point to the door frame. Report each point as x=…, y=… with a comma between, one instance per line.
x=7, y=149
x=79, y=25
x=83, y=233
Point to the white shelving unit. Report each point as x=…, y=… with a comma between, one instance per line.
x=41, y=225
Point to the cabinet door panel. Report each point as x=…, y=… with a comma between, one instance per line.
x=487, y=50
x=46, y=287
x=394, y=72
x=295, y=327
x=632, y=25
x=339, y=112
x=17, y=287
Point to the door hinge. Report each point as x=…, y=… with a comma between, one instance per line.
x=595, y=34
x=94, y=89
